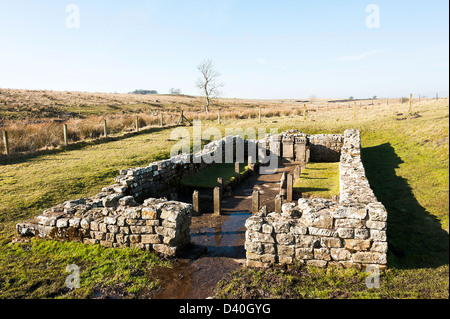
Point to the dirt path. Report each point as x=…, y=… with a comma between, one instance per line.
x=218, y=241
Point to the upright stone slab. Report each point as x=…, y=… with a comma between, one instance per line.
x=220, y=184
x=297, y=173
x=289, y=188
x=308, y=154
x=237, y=172
x=195, y=203
x=217, y=198
x=275, y=145
x=300, y=148
x=288, y=147
x=255, y=201
x=278, y=203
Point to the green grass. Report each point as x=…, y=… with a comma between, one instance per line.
x=29, y=186
x=207, y=178
x=406, y=158
x=406, y=162
x=331, y=283
x=38, y=270
x=318, y=180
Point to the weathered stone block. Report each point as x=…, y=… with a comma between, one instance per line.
x=281, y=226
x=331, y=242
x=317, y=219
x=316, y=263
x=268, y=258
x=62, y=223
x=150, y=239
x=345, y=232
x=267, y=229
x=349, y=223
x=362, y=233
x=340, y=254
x=110, y=237
x=285, y=259
x=113, y=228
x=369, y=258
x=304, y=253
x=377, y=212
x=284, y=239
x=254, y=223
x=322, y=254
x=135, y=238
x=307, y=241
x=149, y=213
x=110, y=220
x=378, y=235
x=379, y=246
x=286, y=250
x=298, y=230
x=322, y=232
x=372, y=224
x=357, y=244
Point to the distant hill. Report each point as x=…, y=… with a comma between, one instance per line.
x=144, y=92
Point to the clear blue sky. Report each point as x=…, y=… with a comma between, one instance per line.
x=263, y=49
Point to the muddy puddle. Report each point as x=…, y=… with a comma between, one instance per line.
x=216, y=251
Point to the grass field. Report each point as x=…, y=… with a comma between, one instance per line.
x=318, y=180
x=207, y=178
x=406, y=160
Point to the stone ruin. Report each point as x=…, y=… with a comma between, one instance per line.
x=134, y=212
x=350, y=232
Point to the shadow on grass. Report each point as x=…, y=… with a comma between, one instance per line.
x=415, y=237
x=310, y=189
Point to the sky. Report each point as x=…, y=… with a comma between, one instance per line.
x=262, y=49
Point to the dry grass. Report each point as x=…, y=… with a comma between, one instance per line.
x=34, y=118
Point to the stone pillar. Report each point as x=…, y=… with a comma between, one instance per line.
x=288, y=147
x=278, y=203
x=255, y=202
x=283, y=181
x=303, y=165
x=300, y=148
x=297, y=172
x=308, y=154
x=217, y=198
x=275, y=145
x=290, y=187
x=195, y=203
x=237, y=172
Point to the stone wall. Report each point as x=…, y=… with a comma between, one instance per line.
x=325, y=147
x=116, y=221
x=320, y=232
x=126, y=214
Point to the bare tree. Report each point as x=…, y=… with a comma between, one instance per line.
x=208, y=82
x=175, y=91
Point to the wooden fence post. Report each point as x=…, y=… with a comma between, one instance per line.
x=6, y=142
x=260, y=115
x=162, y=123
x=304, y=112
x=105, y=128
x=137, y=123
x=218, y=118
x=66, y=138
x=410, y=103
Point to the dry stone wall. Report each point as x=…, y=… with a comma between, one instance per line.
x=321, y=232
